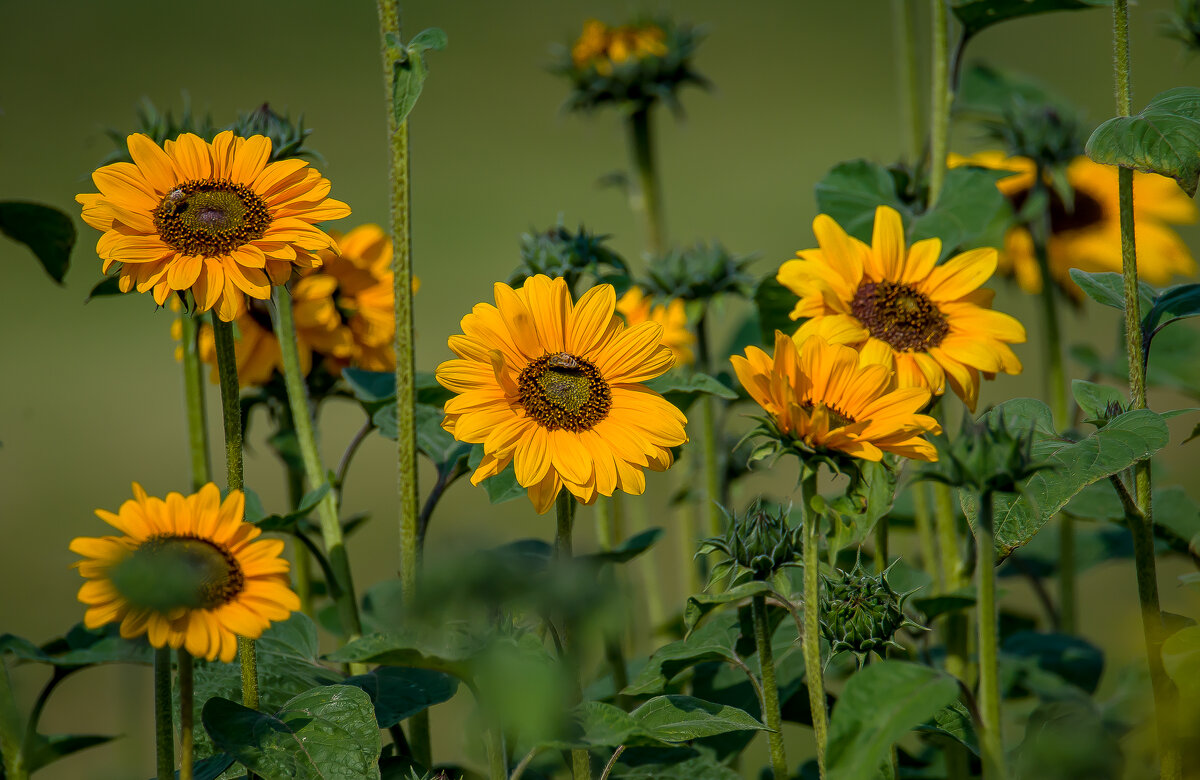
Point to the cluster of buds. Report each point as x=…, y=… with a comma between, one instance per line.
x=287, y=137
x=700, y=272
x=558, y=252
x=756, y=544
x=987, y=457
x=631, y=66
x=861, y=612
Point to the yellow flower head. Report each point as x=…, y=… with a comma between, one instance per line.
x=931, y=322
x=602, y=46
x=186, y=571
x=555, y=388
x=636, y=307
x=1088, y=236
x=834, y=398
x=217, y=219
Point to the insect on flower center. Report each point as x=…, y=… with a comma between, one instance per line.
x=211, y=217
x=170, y=572
x=900, y=315
x=562, y=391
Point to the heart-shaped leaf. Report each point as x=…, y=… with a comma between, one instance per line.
x=1164, y=138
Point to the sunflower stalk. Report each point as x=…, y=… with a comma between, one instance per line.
x=647, y=199
x=231, y=417
x=581, y=765
x=193, y=392
x=906, y=55
x=1166, y=704
x=991, y=741
x=327, y=510
x=814, y=675
x=710, y=434
x=164, y=729
x=770, y=688
x=939, y=123
x=186, y=713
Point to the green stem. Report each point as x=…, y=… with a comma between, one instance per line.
x=651, y=583
x=193, y=391
x=710, y=435
x=302, y=575
x=186, y=713
x=581, y=765
x=327, y=511
x=939, y=122
x=906, y=54
x=231, y=417
x=164, y=736
x=991, y=740
x=766, y=665
x=946, y=521
x=647, y=200
x=814, y=676
x=881, y=544
x=604, y=522
x=925, y=536
x=11, y=730
x=497, y=761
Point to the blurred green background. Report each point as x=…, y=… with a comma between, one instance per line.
x=91, y=398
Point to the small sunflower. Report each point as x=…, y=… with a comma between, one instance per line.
x=217, y=219
x=186, y=571
x=636, y=307
x=930, y=321
x=1088, y=236
x=833, y=397
x=555, y=388
x=602, y=47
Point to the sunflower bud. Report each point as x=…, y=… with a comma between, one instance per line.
x=287, y=137
x=700, y=272
x=759, y=542
x=986, y=457
x=1184, y=24
x=861, y=612
x=558, y=252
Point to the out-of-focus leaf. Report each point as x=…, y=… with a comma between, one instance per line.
x=773, y=303
x=628, y=549
x=713, y=641
x=850, y=193
x=682, y=388
x=1070, y=658
x=978, y=15
x=47, y=232
x=1164, y=138
x=967, y=207
x=1181, y=657
x=106, y=287
x=48, y=749
x=502, y=487
x=398, y=693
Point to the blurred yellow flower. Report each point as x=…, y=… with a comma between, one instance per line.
x=636, y=307
x=603, y=47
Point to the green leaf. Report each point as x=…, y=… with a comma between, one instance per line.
x=955, y=723
x=1108, y=289
x=1164, y=138
x=1068, y=657
x=850, y=193
x=434, y=442
x=700, y=604
x=774, y=304
x=713, y=641
x=603, y=725
x=626, y=550
x=1173, y=303
x=502, y=487
x=48, y=232
x=978, y=15
x=994, y=92
x=687, y=766
x=1094, y=400
x=1126, y=439
x=958, y=600
x=968, y=206
x=879, y=705
x=327, y=733
x=398, y=693
x=1181, y=657
x=681, y=388
x=48, y=749
x=682, y=718
x=448, y=650
x=409, y=72
x=106, y=287
x=370, y=386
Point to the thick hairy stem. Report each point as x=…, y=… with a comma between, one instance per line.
x=164, y=730
x=711, y=436
x=647, y=200
x=581, y=765
x=939, y=121
x=991, y=739
x=193, y=392
x=906, y=57
x=770, y=689
x=814, y=675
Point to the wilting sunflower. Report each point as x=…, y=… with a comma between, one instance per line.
x=187, y=572
x=602, y=46
x=555, y=389
x=1088, y=235
x=217, y=219
x=833, y=397
x=932, y=322
x=636, y=307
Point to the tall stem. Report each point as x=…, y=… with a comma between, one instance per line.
x=327, y=511
x=710, y=434
x=497, y=761
x=231, y=417
x=187, y=713
x=302, y=574
x=939, y=121
x=639, y=518
x=906, y=55
x=193, y=392
x=925, y=535
x=814, y=676
x=766, y=665
x=164, y=736
x=1165, y=696
x=991, y=739
x=647, y=200
x=564, y=505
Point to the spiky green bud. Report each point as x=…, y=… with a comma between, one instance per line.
x=861, y=612
x=558, y=252
x=759, y=542
x=287, y=137
x=987, y=457
x=700, y=272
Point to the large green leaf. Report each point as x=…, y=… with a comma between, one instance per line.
x=1181, y=657
x=977, y=15
x=1164, y=138
x=433, y=441
x=1068, y=657
x=398, y=693
x=681, y=388
x=327, y=733
x=700, y=604
x=47, y=232
x=683, y=718
x=1095, y=400
x=502, y=487
x=82, y=647
x=852, y=190
x=969, y=204
x=48, y=749
x=1126, y=439
x=879, y=705
x=712, y=641
x=447, y=650
x=1108, y=289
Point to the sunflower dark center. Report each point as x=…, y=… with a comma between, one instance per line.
x=1085, y=212
x=900, y=315
x=211, y=217
x=837, y=418
x=169, y=572
x=562, y=391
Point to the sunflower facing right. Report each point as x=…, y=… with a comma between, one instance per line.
x=931, y=322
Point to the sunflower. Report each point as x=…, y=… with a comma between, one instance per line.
x=216, y=219
x=1088, y=236
x=636, y=307
x=555, y=389
x=931, y=322
x=833, y=397
x=186, y=571
x=603, y=47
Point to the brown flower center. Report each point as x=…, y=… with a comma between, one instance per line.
x=900, y=315
x=1085, y=212
x=837, y=418
x=211, y=217
x=168, y=572
x=562, y=391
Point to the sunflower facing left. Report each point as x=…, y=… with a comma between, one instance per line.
x=187, y=572
x=555, y=388
x=217, y=219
